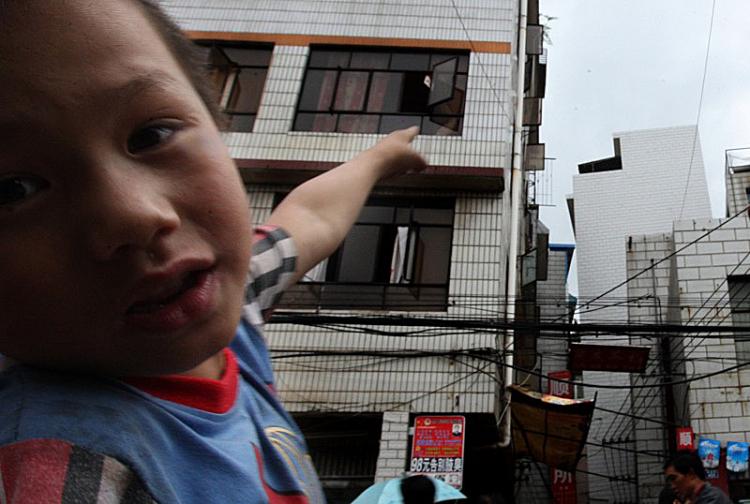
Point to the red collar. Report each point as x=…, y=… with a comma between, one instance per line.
x=214, y=396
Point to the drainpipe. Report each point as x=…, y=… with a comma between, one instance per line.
x=516, y=200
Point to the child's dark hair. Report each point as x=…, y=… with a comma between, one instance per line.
x=187, y=56
x=417, y=489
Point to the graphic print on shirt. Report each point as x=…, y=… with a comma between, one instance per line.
x=291, y=449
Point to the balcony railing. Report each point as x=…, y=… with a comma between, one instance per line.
x=369, y=296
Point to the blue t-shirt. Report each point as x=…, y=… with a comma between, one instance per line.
x=67, y=438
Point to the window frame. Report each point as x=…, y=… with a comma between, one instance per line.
x=436, y=116
x=382, y=291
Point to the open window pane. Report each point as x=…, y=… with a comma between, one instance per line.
x=434, y=252
x=443, y=82
x=442, y=125
x=247, y=90
x=238, y=72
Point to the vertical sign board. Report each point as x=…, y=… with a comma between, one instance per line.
x=563, y=482
x=438, y=448
x=685, y=438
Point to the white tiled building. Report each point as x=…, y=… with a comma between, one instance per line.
x=309, y=84
x=705, y=280
x=655, y=177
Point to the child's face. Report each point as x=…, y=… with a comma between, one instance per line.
x=124, y=227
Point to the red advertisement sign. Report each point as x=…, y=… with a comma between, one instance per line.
x=557, y=388
x=685, y=438
x=438, y=448
x=563, y=482
x=563, y=486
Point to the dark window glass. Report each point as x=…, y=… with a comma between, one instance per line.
x=355, y=123
x=396, y=257
x=357, y=261
x=370, y=60
x=238, y=72
x=241, y=122
x=377, y=91
x=434, y=215
x=416, y=92
x=329, y=59
x=318, y=90
x=247, y=90
x=385, y=92
x=410, y=61
x=315, y=122
x=245, y=56
x=350, y=92
x=442, y=125
x=389, y=123
x=376, y=213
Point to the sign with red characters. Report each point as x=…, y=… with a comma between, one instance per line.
x=563, y=482
x=685, y=438
x=438, y=448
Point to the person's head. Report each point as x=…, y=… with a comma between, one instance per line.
x=418, y=490
x=685, y=473
x=124, y=225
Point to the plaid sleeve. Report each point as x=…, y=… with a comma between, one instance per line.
x=272, y=266
x=54, y=471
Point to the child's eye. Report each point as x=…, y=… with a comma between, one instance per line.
x=148, y=137
x=15, y=189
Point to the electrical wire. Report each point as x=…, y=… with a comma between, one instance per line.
x=700, y=106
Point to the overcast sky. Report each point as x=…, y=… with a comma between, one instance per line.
x=620, y=65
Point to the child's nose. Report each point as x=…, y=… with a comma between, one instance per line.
x=128, y=215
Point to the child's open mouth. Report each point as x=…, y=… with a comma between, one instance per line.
x=172, y=294
x=181, y=301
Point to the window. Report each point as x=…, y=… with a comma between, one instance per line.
x=239, y=73
x=377, y=91
x=739, y=301
x=396, y=257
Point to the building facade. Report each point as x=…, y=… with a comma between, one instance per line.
x=655, y=177
x=701, y=277
x=306, y=85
